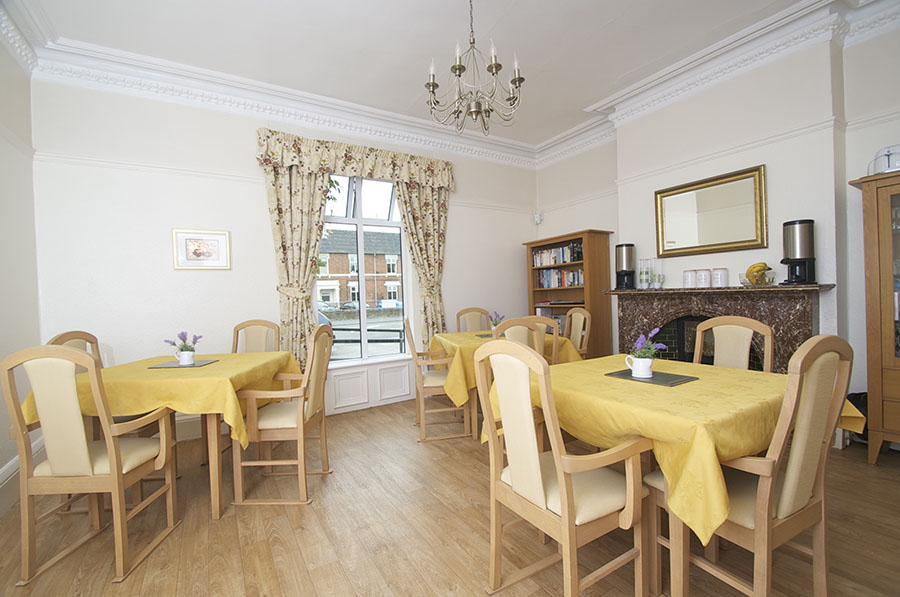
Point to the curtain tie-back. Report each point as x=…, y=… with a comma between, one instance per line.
x=295, y=293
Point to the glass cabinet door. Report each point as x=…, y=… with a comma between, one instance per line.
x=889, y=215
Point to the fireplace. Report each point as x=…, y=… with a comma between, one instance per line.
x=791, y=311
x=680, y=337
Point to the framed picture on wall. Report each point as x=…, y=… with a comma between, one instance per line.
x=201, y=249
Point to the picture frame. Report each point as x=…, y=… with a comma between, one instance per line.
x=201, y=249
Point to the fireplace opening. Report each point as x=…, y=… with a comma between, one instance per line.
x=680, y=335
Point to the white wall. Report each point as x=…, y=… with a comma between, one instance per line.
x=115, y=173
x=18, y=266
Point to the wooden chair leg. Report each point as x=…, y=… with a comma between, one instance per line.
x=420, y=404
x=820, y=565
x=28, y=537
x=679, y=556
x=204, y=458
x=95, y=510
x=301, y=465
x=711, y=551
x=570, y=563
x=171, y=497
x=762, y=571
x=323, y=440
x=641, y=563
x=120, y=533
x=652, y=519
x=265, y=453
x=496, y=575
x=236, y=460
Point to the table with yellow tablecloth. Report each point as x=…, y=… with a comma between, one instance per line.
x=210, y=390
x=724, y=414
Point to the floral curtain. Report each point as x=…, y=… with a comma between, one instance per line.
x=297, y=173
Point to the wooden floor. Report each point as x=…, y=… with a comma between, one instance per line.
x=400, y=518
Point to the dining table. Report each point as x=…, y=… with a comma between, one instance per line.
x=461, y=346
x=717, y=415
x=208, y=390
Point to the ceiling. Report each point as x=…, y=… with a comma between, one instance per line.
x=573, y=54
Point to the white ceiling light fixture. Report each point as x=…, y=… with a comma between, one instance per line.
x=477, y=96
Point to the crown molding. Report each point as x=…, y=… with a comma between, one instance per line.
x=578, y=139
x=13, y=38
x=872, y=25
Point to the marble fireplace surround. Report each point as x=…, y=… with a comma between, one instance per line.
x=791, y=311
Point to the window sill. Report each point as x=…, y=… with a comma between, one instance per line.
x=346, y=364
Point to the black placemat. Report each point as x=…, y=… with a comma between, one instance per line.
x=177, y=365
x=484, y=335
x=659, y=378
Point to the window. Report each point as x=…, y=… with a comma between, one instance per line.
x=323, y=264
x=362, y=221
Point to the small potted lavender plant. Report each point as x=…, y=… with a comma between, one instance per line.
x=184, y=350
x=640, y=361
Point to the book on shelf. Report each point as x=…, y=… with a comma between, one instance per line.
x=560, y=278
x=558, y=255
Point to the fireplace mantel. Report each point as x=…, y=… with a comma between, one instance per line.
x=791, y=311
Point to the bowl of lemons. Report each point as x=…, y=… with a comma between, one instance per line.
x=758, y=274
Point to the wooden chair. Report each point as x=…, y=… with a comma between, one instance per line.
x=288, y=421
x=578, y=329
x=76, y=465
x=780, y=495
x=475, y=319
x=430, y=384
x=733, y=335
x=531, y=331
x=573, y=499
x=81, y=341
x=256, y=333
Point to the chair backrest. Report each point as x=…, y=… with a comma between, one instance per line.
x=473, y=319
x=732, y=335
x=259, y=336
x=818, y=378
x=508, y=366
x=578, y=328
x=523, y=331
x=82, y=341
x=550, y=326
x=318, y=354
x=51, y=373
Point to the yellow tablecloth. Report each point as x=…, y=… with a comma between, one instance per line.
x=133, y=389
x=724, y=414
x=462, y=346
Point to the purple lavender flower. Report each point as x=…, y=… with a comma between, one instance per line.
x=183, y=336
x=660, y=346
x=653, y=332
x=172, y=342
x=195, y=339
x=641, y=342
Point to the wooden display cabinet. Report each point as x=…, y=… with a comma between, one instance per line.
x=881, y=224
x=572, y=270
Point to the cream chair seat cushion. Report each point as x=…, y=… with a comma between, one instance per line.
x=280, y=415
x=596, y=493
x=135, y=452
x=435, y=379
x=741, y=493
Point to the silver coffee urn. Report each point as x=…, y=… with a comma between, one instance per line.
x=625, y=266
x=799, y=252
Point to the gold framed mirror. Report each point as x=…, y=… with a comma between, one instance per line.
x=722, y=213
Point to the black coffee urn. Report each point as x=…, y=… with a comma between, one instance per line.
x=799, y=252
x=625, y=266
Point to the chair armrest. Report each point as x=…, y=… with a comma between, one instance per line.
x=288, y=376
x=117, y=429
x=271, y=394
x=428, y=353
x=446, y=361
x=764, y=467
x=166, y=441
x=577, y=464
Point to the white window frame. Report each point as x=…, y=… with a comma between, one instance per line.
x=329, y=286
x=392, y=287
x=323, y=269
x=354, y=262
x=390, y=263
x=354, y=187
x=353, y=287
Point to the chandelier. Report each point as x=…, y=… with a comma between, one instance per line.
x=477, y=96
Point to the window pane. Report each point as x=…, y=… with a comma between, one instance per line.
x=337, y=203
x=375, y=199
x=335, y=289
x=395, y=212
x=384, y=290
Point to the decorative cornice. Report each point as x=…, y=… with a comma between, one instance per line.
x=10, y=34
x=823, y=29
x=867, y=28
x=576, y=140
x=77, y=160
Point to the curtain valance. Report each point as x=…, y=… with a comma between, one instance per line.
x=281, y=150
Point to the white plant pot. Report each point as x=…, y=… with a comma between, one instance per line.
x=185, y=357
x=641, y=368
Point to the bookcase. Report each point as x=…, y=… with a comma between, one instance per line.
x=572, y=270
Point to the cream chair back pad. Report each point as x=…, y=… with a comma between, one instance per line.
x=778, y=496
x=259, y=335
x=76, y=465
x=473, y=319
x=578, y=328
x=289, y=421
x=531, y=331
x=80, y=340
x=733, y=335
x=573, y=499
x=430, y=384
